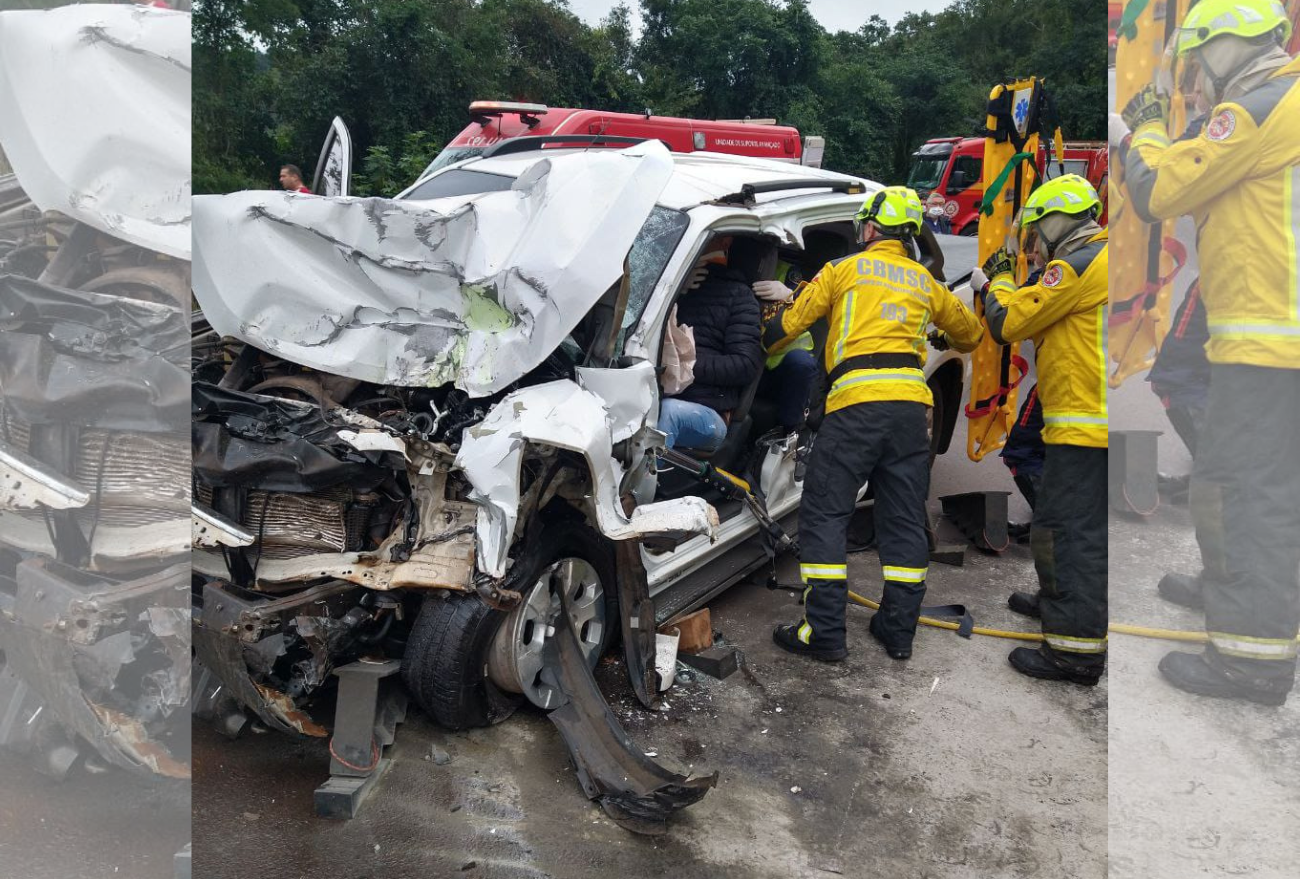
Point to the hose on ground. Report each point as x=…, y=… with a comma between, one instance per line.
x=1117, y=628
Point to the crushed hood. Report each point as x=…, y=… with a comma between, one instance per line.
x=86, y=93
x=475, y=290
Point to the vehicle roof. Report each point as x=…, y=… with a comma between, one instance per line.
x=697, y=177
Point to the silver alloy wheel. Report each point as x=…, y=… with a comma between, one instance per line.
x=515, y=662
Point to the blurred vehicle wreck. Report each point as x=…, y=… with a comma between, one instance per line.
x=94, y=385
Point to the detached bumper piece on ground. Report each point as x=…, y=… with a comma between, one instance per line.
x=634, y=790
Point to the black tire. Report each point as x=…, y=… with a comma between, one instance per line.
x=446, y=655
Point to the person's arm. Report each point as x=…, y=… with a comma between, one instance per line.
x=741, y=356
x=1167, y=179
x=813, y=302
x=1015, y=315
x=961, y=329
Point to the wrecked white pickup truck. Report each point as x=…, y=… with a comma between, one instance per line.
x=94, y=381
x=425, y=425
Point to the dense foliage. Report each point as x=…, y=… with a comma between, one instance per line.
x=270, y=74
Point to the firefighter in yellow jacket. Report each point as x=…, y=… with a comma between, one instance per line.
x=1064, y=312
x=1238, y=176
x=879, y=303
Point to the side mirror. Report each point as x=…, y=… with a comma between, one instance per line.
x=334, y=167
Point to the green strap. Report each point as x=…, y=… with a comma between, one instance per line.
x=991, y=194
x=1128, y=21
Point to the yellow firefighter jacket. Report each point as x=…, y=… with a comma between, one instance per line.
x=879, y=302
x=1239, y=178
x=1065, y=314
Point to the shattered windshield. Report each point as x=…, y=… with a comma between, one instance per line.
x=927, y=171
x=654, y=245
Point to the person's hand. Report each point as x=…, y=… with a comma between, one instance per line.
x=1117, y=130
x=938, y=340
x=1147, y=106
x=978, y=280
x=999, y=263
x=773, y=291
x=698, y=274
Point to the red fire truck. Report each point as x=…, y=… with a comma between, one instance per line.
x=492, y=121
x=946, y=173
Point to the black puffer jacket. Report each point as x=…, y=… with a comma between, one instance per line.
x=728, y=351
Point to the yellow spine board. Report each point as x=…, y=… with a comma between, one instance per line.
x=990, y=413
x=1142, y=262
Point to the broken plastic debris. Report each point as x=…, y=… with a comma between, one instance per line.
x=796, y=789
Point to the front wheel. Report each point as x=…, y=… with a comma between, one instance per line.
x=466, y=664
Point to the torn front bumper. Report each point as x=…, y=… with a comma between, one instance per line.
x=108, y=659
x=267, y=654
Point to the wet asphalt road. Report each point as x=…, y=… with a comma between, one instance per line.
x=105, y=826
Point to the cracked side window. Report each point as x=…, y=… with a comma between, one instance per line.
x=654, y=246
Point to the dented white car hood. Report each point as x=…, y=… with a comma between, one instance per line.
x=95, y=117
x=475, y=290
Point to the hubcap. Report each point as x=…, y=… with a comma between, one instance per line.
x=515, y=662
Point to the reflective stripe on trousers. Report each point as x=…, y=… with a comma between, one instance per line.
x=1248, y=647
x=823, y=572
x=1071, y=644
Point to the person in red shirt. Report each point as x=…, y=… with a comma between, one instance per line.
x=291, y=179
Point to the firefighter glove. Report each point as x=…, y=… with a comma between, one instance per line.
x=999, y=263
x=938, y=340
x=1147, y=106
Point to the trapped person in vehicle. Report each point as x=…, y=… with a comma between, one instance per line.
x=291, y=179
x=879, y=303
x=790, y=371
x=724, y=316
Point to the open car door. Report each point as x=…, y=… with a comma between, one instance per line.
x=334, y=167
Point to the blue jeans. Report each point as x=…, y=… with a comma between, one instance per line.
x=691, y=425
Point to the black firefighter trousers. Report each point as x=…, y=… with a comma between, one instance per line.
x=887, y=443
x=1245, y=500
x=1069, y=541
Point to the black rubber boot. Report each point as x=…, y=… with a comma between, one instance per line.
x=1037, y=664
x=1192, y=673
x=1183, y=589
x=1025, y=604
x=787, y=638
x=893, y=647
